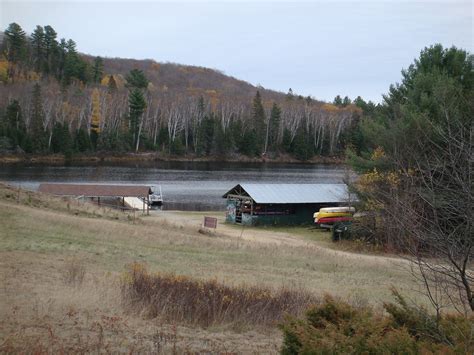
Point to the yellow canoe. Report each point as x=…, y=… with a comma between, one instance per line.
x=333, y=214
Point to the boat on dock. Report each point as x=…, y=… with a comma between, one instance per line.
x=156, y=196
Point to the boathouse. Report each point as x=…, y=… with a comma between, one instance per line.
x=135, y=196
x=281, y=204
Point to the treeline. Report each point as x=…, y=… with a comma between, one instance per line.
x=54, y=99
x=416, y=174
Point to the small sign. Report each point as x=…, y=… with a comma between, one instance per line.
x=210, y=222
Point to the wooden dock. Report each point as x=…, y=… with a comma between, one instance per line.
x=135, y=203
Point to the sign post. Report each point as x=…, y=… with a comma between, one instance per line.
x=210, y=222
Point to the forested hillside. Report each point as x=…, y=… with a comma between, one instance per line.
x=55, y=99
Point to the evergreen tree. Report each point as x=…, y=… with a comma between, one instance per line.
x=222, y=141
x=50, y=48
x=137, y=105
x=98, y=70
x=337, y=101
x=61, y=58
x=82, y=141
x=61, y=140
x=206, y=135
x=286, y=141
x=37, y=41
x=136, y=79
x=346, y=101
x=258, y=120
x=301, y=147
x=74, y=66
x=15, y=39
x=36, y=132
x=249, y=144
x=274, y=126
x=14, y=127
x=290, y=96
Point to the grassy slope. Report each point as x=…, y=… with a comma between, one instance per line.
x=39, y=237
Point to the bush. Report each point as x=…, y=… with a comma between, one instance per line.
x=205, y=303
x=336, y=327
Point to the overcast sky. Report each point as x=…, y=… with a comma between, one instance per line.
x=318, y=48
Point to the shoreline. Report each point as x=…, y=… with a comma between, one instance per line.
x=60, y=159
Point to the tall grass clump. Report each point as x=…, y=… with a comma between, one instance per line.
x=206, y=303
x=74, y=272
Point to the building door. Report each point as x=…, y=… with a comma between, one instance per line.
x=238, y=211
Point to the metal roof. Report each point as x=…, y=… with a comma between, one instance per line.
x=294, y=193
x=95, y=190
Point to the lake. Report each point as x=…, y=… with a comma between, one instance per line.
x=195, y=186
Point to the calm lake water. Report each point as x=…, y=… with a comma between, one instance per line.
x=185, y=185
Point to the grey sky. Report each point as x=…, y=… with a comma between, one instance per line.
x=318, y=48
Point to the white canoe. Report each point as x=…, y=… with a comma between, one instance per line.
x=337, y=209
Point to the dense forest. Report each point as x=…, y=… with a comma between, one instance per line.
x=54, y=99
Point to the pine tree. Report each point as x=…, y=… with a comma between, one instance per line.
x=37, y=41
x=346, y=101
x=258, y=119
x=274, y=126
x=137, y=105
x=15, y=39
x=136, y=79
x=206, y=135
x=14, y=126
x=61, y=58
x=98, y=70
x=74, y=66
x=50, y=48
x=37, y=133
x=337, y=101
x=61, y=140
x=289, y=96
x=82, y=141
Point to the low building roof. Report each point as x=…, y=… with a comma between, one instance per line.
x=89, y=190
x=291, y=193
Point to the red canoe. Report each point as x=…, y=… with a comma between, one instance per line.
x=331, y=220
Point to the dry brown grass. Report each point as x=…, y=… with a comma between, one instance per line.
x=209, y=303
x=74, y=272
x=40, y=236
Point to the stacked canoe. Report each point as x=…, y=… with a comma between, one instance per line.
x=331, y=215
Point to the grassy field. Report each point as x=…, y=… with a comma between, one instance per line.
x=44, y=240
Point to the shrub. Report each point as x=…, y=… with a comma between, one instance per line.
x=336, y=327
x=205, y=303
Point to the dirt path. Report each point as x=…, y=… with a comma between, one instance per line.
x=264, y=236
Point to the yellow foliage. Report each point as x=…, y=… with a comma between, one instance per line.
x=33, y=76
x=378, y=154
x=95, y=117
x=330, y=108
x=3, y=70
x=105, y=80
x=119, y=80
